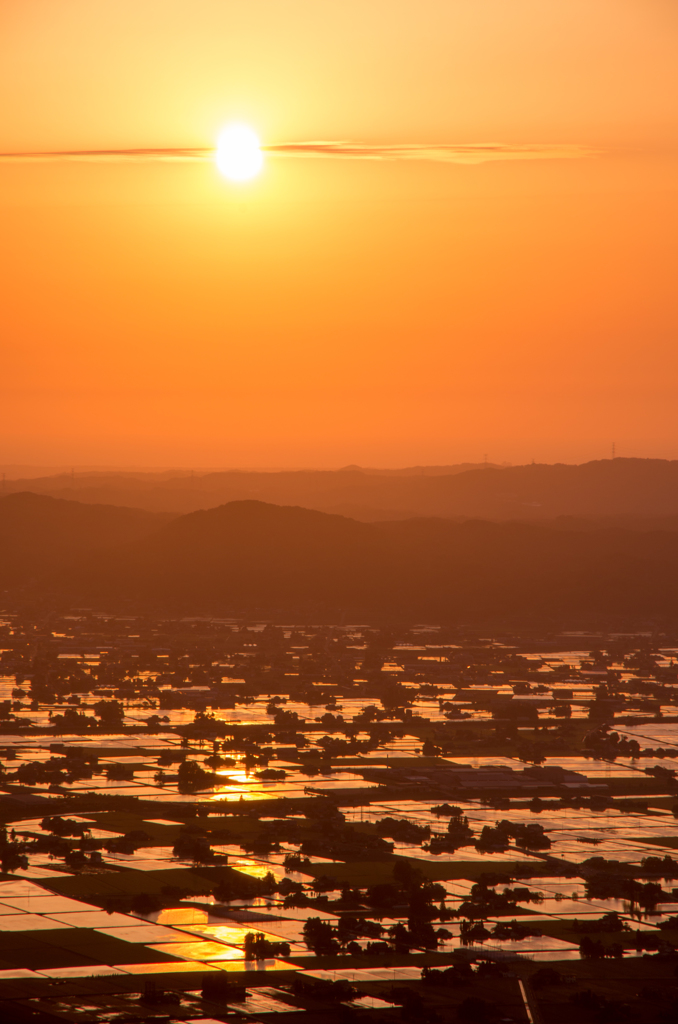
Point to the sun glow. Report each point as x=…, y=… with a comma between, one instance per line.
x=238, y=154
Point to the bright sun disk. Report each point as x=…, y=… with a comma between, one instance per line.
x=238, y=154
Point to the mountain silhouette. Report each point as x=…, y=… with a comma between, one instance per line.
x=38, y=533
x=254, y=558
x=604, y=488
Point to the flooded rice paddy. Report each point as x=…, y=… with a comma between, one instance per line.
x=422, y=802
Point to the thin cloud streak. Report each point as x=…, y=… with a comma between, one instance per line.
x=111, y=156
x=471, y=153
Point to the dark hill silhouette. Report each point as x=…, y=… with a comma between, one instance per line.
x=245, y=552
x=605, y=488
x=38, y=532
x=252, y=558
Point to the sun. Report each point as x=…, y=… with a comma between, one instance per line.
x=238, y=154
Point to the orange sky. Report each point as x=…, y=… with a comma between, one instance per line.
x=336, y=311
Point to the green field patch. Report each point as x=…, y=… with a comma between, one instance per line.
x=166, y=835
x=365, y=873
x=430, y=958
x=34, y=952
x=190, y=879
x=76, y=947
x=671, y=842
x=95, y=886
x=99, y=886
x=123, y=821
x=564, y=929
x=130, y=883
x=215, y=875
x=237, y=824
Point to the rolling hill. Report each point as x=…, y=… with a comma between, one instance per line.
x=253, y=558
x=605, y=488
x=39, y=533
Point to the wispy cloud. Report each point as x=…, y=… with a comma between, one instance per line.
x=111, y=156
x=460, y=153
x=464, y=153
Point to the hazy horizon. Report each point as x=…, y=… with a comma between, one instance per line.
x=15, y=471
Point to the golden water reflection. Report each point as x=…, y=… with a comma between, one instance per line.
x=233, y=935
x=183, y=915
x=199, y=950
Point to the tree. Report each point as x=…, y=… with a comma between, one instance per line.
x=319, y=936
x=12, y=858
x=111, y=712
x=258, y=947
x=192, y=777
